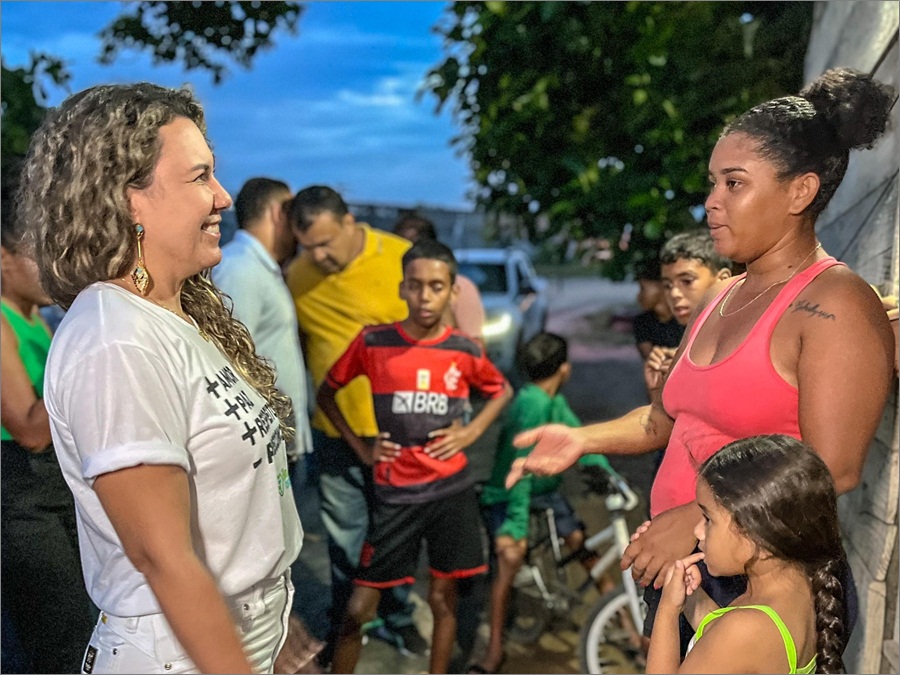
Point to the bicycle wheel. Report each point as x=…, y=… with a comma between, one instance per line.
x=528, y=615
x=609, y=642
x=532, y=607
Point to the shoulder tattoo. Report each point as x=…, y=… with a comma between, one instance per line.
x=811, y=310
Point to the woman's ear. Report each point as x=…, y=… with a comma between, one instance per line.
x=803, y=190
x=761, y=553
x=133, y=196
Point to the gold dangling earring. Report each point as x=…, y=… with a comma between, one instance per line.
x=139, y=274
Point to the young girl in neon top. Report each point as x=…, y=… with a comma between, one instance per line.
x=769, y=512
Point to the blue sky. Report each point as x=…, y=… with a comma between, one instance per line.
x=335, y=104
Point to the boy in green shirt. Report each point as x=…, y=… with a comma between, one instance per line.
x=544, y=360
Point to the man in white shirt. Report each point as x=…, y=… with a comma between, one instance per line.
x=250, y=274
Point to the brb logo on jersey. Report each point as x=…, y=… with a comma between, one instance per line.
x=419, y=402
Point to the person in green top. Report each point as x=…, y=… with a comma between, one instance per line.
x=545, y=362
x=43, y=593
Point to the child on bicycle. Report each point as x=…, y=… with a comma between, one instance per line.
x=770, y=513
x=421, y=372
x=544, y=361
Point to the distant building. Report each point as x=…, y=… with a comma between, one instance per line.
x=457, y=229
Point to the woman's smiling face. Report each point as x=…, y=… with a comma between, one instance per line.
x=180, y=208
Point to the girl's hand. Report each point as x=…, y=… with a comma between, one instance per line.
x=681, y=581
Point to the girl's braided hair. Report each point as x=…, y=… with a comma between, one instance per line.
x=781, y=496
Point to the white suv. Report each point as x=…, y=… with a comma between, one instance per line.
x=514, y=297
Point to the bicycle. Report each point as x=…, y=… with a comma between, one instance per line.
x=542, y=591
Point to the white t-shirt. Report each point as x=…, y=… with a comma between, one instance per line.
x=131, y=383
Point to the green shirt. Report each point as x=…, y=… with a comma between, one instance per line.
x=34, y=345
x=532, y=407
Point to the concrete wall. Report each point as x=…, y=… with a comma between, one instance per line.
x=860, y=227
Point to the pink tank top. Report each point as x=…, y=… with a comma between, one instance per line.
x=740, y=396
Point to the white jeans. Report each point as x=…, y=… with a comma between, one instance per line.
x=146, y=644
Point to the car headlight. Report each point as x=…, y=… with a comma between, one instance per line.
x=497, y=325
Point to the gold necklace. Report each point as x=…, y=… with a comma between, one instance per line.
x=184, y=317
x=777, y=283
x=187, y=318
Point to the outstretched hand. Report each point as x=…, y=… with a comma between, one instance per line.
x=682, y=579
x=556, y=448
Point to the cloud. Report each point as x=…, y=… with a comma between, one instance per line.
x=336, y=104
x=347, y=35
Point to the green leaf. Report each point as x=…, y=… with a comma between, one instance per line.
x=558, y=86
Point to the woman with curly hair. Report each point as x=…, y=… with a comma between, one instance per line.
x=169, y=430
x=769, y=513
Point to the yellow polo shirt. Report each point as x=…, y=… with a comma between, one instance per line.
x=333, y=308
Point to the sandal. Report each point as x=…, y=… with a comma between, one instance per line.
x=481, y=670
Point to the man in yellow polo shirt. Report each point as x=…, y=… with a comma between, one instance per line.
x=347, y=276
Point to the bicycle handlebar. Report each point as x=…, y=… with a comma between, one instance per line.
x=617, y=483
x=624, y=489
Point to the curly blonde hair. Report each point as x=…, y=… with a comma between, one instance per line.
x=73, y=202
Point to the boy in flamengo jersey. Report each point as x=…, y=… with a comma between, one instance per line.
x=420, y=371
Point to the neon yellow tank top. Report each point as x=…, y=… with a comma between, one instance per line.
x=785, y=634
x=34, y=345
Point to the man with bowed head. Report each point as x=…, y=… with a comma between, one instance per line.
x=345, y=278
x=798, y=345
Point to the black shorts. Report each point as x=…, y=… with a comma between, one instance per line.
x=450, y=527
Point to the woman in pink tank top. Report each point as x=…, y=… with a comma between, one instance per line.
x=798, y=345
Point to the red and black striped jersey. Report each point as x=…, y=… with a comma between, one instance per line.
x=418, y=386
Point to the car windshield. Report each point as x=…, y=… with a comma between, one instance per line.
x=489, y=277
